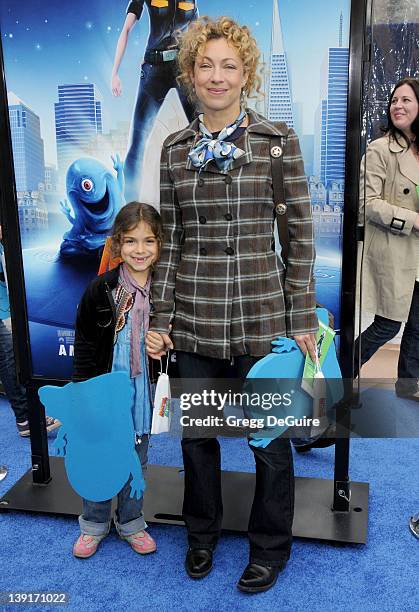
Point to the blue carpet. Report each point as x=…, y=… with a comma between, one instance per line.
x=382, y=575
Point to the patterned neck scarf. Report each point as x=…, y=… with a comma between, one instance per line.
x=208, y=147
x=140, y=315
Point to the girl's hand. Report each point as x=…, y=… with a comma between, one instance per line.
x=154, y=342
x=157, y=344
x=307, y=342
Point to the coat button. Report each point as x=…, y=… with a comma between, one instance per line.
x=201, y=182
x=202, y=251
x=229, y=251
x=281, y=209
x=228, y=180
x=406, y=190
x=228, y=217
x=276, y=151
x=202, y=219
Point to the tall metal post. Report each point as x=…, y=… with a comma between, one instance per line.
x=342, y=490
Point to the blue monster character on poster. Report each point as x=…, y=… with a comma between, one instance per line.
x=56, y=280
x=96, y=196
x=97, y=438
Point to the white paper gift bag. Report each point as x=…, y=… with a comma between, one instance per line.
x=162, y=413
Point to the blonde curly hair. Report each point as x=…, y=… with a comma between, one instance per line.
x=192, y=43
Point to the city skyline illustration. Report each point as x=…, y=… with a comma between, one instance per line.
x=280, y=106
x=78, y=130
x=86, y=48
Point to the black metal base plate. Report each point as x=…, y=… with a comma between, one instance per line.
x=313, y=516
x=56, y=497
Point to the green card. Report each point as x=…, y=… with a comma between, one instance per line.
x=324, y=339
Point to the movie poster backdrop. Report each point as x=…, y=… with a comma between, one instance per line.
x=85, y=143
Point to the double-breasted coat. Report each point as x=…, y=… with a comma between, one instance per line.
x=390, y=174
x=219, y=281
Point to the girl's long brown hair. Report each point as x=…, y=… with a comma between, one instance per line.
x=129, y=217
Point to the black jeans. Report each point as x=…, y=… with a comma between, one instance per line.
x=383, y=330
x=270, y=522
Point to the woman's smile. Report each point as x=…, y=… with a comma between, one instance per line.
x=219, y=78
x=404, y=108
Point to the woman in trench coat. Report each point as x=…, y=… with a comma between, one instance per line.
x=390, y=278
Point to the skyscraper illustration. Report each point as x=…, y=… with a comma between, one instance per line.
x=28, y=146
x=78, y=118
x=280, y=103
x=320, y=121
x=331, y=135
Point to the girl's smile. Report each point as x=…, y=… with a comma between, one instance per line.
x=139, y=250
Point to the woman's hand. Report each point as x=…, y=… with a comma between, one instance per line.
x=157, y=344
x=416, y=223
x=307, y=342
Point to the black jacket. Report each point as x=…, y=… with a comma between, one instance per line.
x=95, y=328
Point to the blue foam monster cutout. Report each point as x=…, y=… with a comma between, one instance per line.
x=97, y=435
x=287, y=362
x=96, y=196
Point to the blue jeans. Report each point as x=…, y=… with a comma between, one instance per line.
x=129, y=518
x=383, y=330
x=15, y=392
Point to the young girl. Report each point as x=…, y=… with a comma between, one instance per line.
x=112, y=320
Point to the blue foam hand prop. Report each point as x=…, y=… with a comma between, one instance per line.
x=284, y=345
x=137, y=482
x=97, y=435
x=287, y=362
x=60, y=443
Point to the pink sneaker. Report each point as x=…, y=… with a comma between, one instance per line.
x=86, y=545
x=141, y=542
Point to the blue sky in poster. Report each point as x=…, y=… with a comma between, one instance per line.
x=46, y=44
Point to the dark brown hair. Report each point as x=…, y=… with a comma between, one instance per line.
x=391, y=128
x=129, y=217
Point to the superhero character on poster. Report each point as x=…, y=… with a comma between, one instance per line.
x=158, y=75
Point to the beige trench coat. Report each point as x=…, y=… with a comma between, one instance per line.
x=390, y=173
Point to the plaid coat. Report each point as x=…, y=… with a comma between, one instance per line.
x=219, y=281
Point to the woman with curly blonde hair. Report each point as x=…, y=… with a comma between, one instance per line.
x=194, y=40
x=221, y=285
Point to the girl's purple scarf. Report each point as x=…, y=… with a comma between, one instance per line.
x=140, y=315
